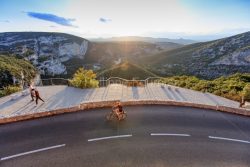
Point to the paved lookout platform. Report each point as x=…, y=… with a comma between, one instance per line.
x=57, y=97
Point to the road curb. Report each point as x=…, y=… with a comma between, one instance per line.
x=105, y=104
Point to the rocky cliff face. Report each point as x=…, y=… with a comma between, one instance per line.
x=47, y=51
x=207, y=59
x=228, y=51
x=108, y=54
x=59, y=53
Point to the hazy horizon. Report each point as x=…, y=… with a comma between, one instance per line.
x=189, y=19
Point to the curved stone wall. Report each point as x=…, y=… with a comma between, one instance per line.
x=105, y=104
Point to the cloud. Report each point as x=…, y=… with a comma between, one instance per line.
x=104, y=20
x=5, y=21
x=52, y=18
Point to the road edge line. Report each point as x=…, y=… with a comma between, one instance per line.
x=228, y=139
x=31, y=152
x=109, y=137
x=169, y=134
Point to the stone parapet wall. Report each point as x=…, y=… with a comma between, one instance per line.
x=109, y=104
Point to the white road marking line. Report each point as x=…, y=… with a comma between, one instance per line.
x=109, y=137
x=30, y=152
x=169, y=134
x=229, y=139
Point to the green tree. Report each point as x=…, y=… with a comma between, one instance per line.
x=84, y=79
x=12, y=66
x=230, y=87
x=246, y=92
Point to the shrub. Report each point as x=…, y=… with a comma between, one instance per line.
x=84, y=79
x=11, y=66
x=232, y=87
x=2, y=93
x=10, y=89
x=246, y=92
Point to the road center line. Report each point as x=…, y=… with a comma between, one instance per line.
x=109, y=137
x=169, y=134
x=31, y=152
x=229, y=139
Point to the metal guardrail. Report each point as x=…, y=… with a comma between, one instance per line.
x=134, y=82
x=105, y=82
x=159, y=80
x=117, y=80
x=53, y=81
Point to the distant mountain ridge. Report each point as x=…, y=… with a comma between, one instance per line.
x=207, y=59
x=61, y=54
x=107, y=54
x=47, y=51
x=144, y=39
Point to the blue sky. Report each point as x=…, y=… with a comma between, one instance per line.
x=197, y=19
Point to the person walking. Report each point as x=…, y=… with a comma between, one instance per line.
x=38, y=96
x=32, y=91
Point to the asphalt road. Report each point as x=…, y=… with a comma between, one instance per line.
x=154, y=136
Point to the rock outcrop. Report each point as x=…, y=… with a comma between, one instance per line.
x=47, y=51
x=208, y=60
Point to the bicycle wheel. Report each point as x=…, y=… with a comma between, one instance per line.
x=110, y=116
x=124, y=115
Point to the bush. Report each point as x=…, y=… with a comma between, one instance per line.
x=232, y=87
x=11, y=66
x=246, y=92
x=2, y=93
x=84, y=79
x=9, y=90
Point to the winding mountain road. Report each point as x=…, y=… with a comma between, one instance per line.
x=151, y=136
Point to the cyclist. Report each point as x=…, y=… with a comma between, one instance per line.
x=118, y=110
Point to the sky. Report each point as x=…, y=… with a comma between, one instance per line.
x=193, y=19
